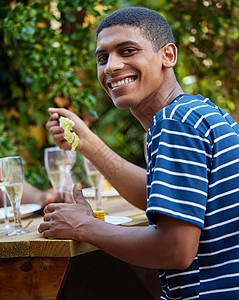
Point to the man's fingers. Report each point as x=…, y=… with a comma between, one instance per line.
x=59, y=112
x=43, y=226
x=54, y=116
x=77, y=193
x=47, y=217
x=80, y=199
x=50, y=208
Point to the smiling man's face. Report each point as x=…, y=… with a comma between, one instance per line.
x=129, y=69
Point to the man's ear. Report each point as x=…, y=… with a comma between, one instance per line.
x=169, y=55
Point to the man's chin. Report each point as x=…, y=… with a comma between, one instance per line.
x=121, y=104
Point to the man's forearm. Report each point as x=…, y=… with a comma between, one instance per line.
x=145, y=246
x=128, y=179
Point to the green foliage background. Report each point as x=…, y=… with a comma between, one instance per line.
x=47, y=59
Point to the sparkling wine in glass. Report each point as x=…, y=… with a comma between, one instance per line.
x=70, y=160
x=58, y=164
x=96, y=179
x=6, y=225
x=13, y=180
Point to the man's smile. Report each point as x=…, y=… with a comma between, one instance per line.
x=117, y=83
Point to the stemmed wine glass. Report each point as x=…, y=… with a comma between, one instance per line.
x=58, y=164
x=13, y=180
x=6, y=225
x=95, y=178
x=70, y=160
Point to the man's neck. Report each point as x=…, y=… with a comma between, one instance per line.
x=147, y=110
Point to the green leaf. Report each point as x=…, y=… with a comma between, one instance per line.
x=70, y=17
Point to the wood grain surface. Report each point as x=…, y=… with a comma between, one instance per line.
x=34, y=267
x=31, y=278
x=33, y=244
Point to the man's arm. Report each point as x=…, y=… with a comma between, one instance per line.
x=128, y=179
x=171, y=244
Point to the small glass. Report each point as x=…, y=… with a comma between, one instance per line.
x=13, y=181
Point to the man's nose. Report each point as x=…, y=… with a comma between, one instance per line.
x=114, y=64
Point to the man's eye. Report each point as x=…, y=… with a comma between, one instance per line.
x=102, y=59
x=129, y=51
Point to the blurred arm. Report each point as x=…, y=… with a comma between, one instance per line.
x=34, y=195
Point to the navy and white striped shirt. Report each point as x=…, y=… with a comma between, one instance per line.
x=193, y=175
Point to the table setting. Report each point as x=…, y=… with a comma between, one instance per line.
x=33, y=258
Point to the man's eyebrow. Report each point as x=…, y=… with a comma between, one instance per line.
x=127, y=43
x=119, y=45
x=99, y=51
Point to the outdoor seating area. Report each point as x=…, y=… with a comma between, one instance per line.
x=119, y=150
x=35, y=261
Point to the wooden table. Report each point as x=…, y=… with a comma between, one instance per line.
x=33, y=267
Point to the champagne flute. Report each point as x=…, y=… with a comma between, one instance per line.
x=70, y=160
x=69, y=182
x=6, y=225
x=95, y=178
x=58, y=164
x=13, y=180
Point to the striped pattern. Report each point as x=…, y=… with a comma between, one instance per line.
x=193, y=175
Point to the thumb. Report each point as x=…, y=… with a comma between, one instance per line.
x=77, y=193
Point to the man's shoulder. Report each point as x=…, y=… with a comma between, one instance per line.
x=187, y=103
x=184, y=106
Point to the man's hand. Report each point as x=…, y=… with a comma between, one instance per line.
x=67, y=221
x=80, y=128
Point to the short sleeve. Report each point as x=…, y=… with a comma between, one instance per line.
x=179, y=160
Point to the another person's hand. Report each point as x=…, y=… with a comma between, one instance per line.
x=48, y=196
x=1, y=199
x=67, y=221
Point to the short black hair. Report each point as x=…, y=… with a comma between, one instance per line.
x=152, y=25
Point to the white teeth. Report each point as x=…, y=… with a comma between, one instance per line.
x=120, y=82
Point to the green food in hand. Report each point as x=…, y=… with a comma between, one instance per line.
x=71, y=137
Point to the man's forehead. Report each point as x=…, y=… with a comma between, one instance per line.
x=118, y=34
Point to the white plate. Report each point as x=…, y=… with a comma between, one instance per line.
x=90, y=193
x=25, y=209
x=117, y=220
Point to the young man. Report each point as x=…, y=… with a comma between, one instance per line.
x=192, y=173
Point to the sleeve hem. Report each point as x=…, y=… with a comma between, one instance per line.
x=152, y=213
